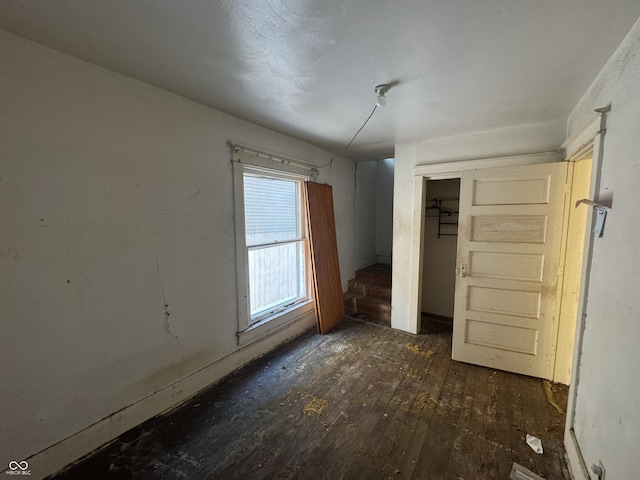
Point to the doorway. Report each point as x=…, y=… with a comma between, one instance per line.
x=439, y=252
x=573, y=254
x=433, y=281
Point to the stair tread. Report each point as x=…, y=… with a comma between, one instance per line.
x=370, y=292
x=350, y=295
x=356, y=281
x=373, y=280
x=370, y=289
x=375, y=300
x=377, y=269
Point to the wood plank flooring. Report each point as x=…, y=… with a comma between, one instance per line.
x=364, y=402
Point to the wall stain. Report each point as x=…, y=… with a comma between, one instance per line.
x=165, y=320
x=192, y=197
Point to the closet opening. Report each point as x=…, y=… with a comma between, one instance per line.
x=439, y=253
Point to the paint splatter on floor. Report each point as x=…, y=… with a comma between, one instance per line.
x=315, y=406
x=548, y=390
x=418, y=351
x=424, y=401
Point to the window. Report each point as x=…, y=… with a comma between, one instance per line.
x=275, y=242
x=271, y=243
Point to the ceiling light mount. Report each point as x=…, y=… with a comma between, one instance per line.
x=382, y=90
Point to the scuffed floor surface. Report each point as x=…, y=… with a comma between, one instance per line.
x=364, y=402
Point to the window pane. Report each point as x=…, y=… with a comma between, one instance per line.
x=271, y=209
x=276, y=277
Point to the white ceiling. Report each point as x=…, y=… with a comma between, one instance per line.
x=308, y=67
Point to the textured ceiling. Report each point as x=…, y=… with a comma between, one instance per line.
x=308, y=67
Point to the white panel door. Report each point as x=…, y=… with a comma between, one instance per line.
x=508, y=267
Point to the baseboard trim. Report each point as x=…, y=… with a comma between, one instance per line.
x=74, y=448
x=575, y=460
x=437, y=318
x=383, y=259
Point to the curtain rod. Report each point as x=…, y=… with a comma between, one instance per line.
x=269, y=156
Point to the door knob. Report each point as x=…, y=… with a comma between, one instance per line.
x=462, y=271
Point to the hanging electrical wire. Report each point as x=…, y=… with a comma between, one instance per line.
x=363, y=125
x=381, y=101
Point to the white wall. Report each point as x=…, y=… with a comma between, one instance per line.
x=365, y=214
x=439, y=261
x=542, y=137
x=384, y=211
x=607, y=421
x=373, y=212
x=116, y=198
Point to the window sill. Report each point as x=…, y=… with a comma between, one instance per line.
x=275, y=323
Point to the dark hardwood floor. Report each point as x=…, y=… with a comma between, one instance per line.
x=364, y=402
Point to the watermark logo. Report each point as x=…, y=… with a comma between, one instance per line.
x=18, y=468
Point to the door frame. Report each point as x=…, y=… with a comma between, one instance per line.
x=444, y=171
x=588, y=139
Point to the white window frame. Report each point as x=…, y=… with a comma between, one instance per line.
x=250, y=161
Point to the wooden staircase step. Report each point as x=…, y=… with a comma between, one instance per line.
x=379, y=291
x=370, y=289
x=374, y=278
x=350, y=301
x=370, y=292
x=357, y=287
x=373, y=306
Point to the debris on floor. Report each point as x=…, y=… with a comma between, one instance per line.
x=518, y=472
x=323, y=417
x=548, y=390
x=419, y=351
x=535, y=443
x=315, y=406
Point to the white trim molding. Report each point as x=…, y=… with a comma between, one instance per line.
x=438, y=171
x=248, y=160
x=582, y=139
x=577, y=467
x=455, y=169
x=587, y=140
